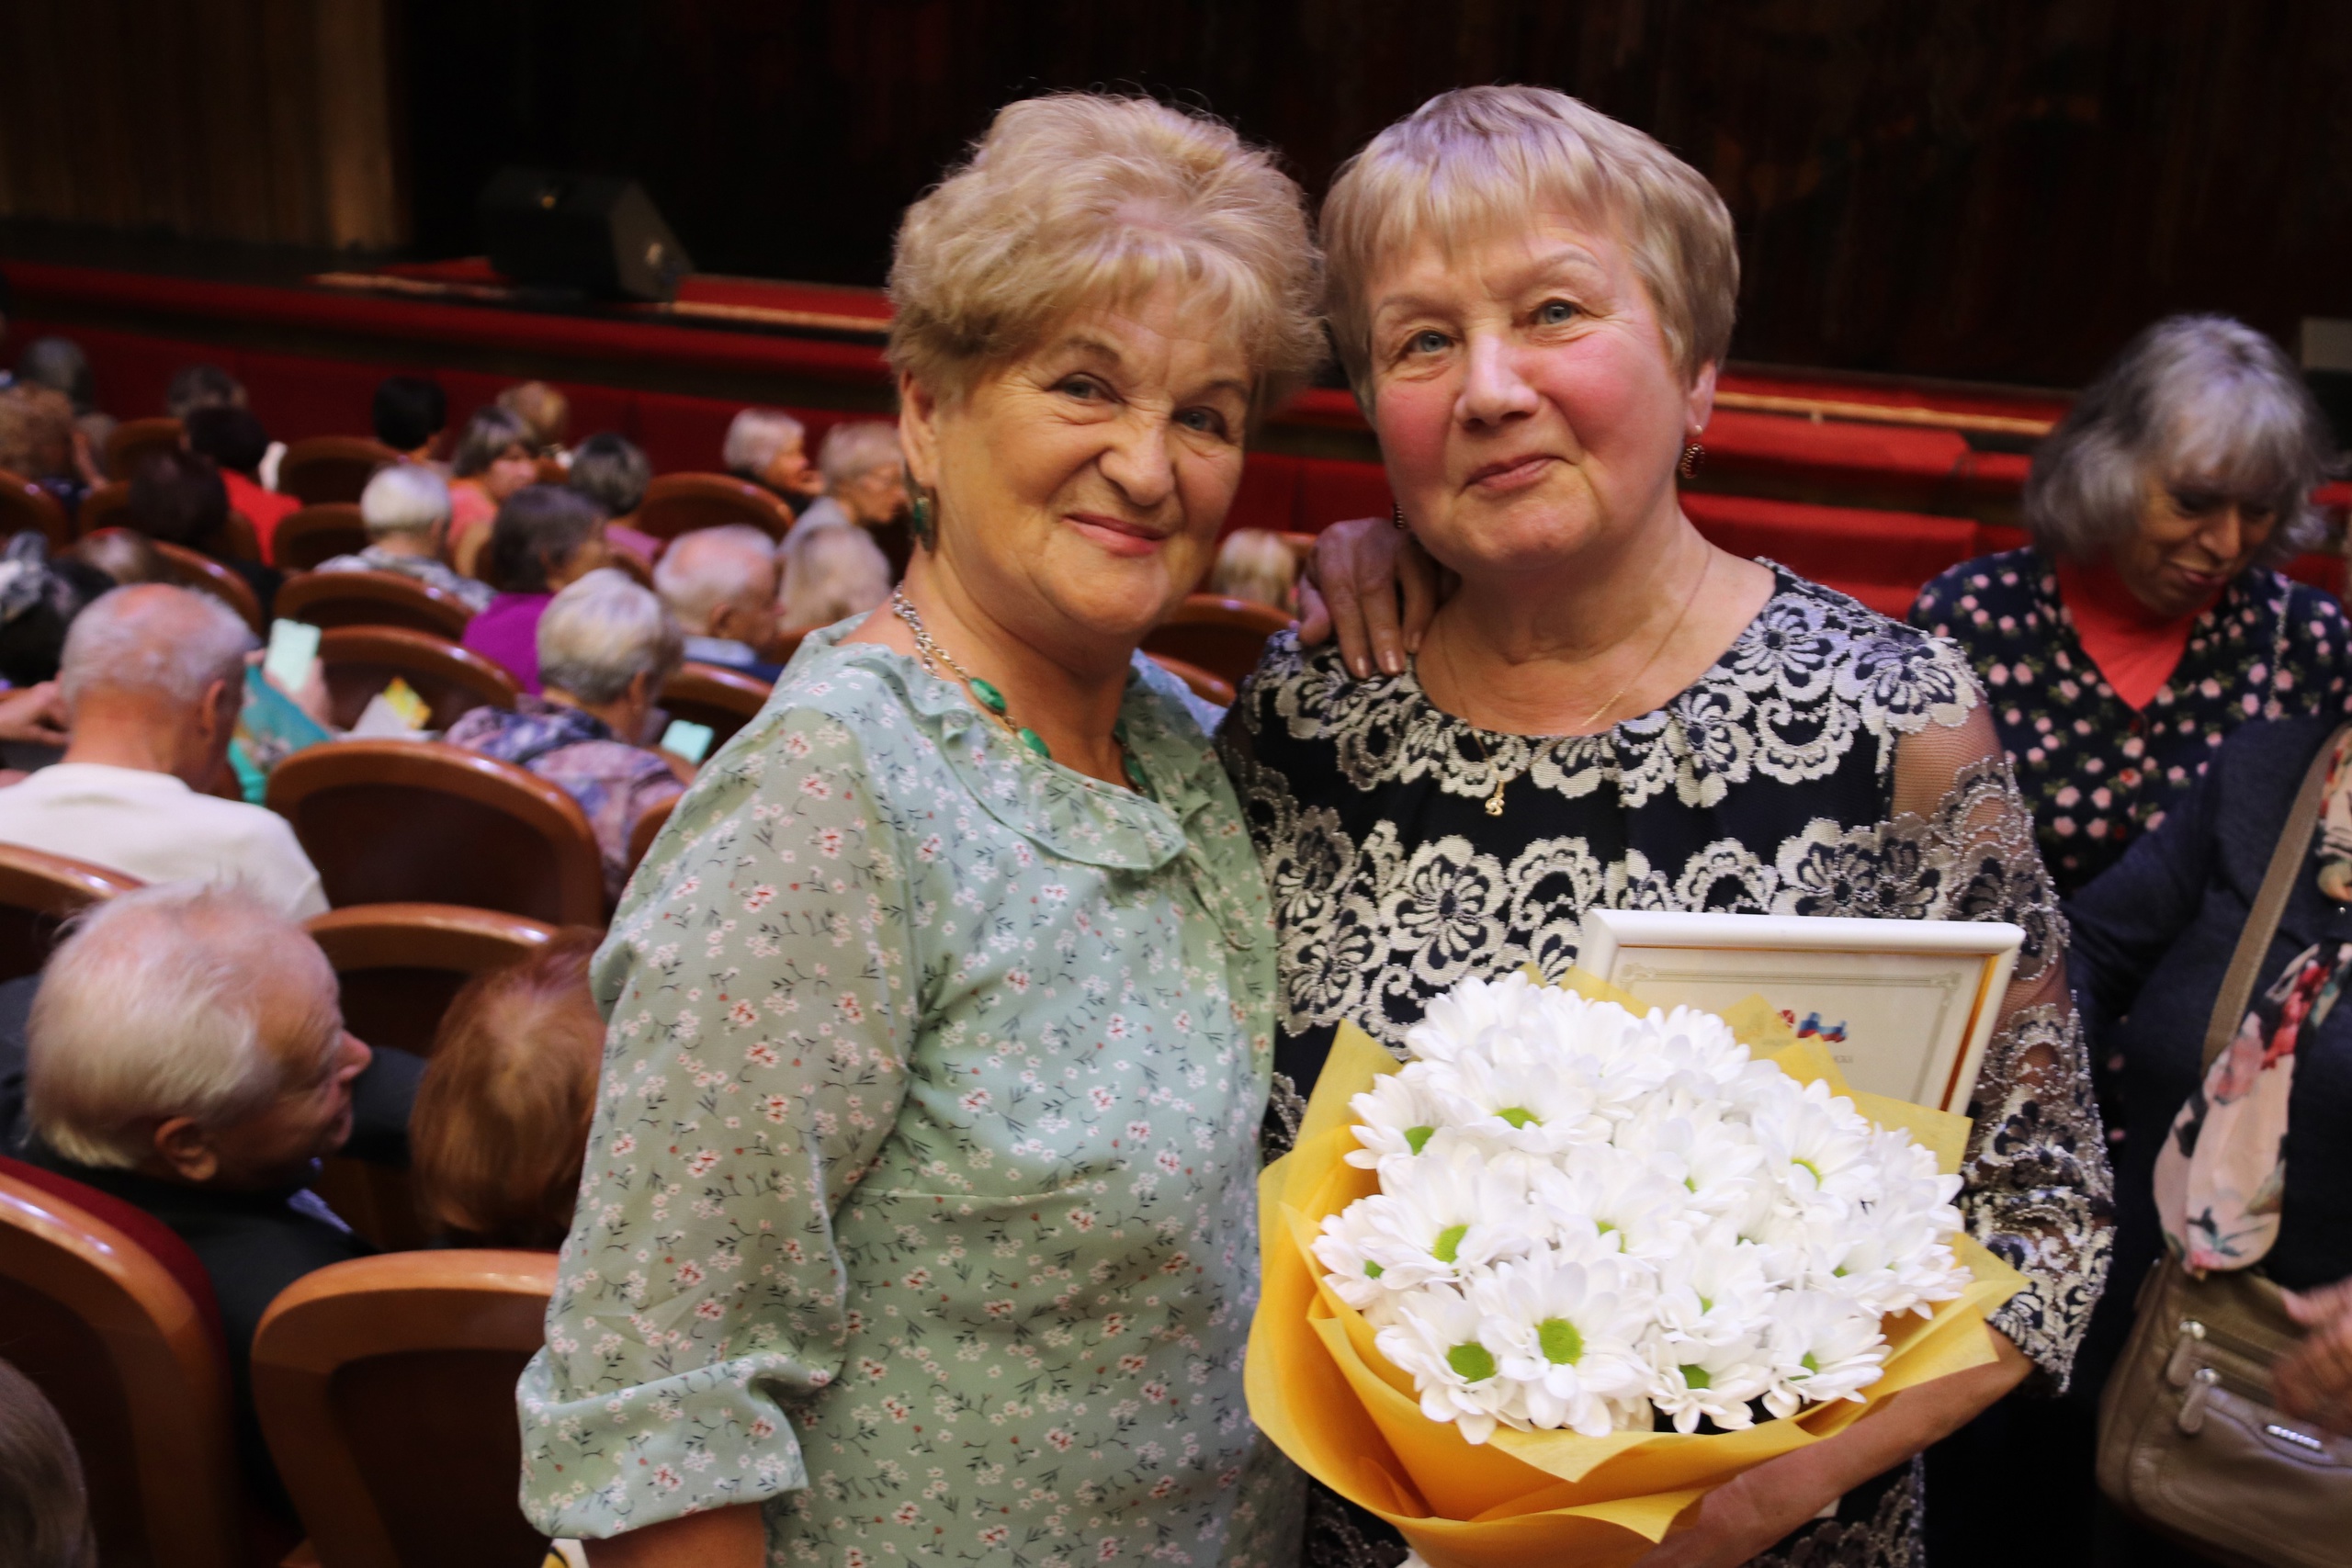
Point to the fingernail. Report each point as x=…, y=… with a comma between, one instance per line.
x=1359, y=668
x=1392, y=662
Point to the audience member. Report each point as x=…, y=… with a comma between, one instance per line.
x=59, y=363
x=721, y=583
x=38, y=598
x=545, y=538
x=614, y=471
x=179, y=497
x=770, y=448
x=44, y=1507
x=1258, y=565
x=604, y=647
x=38, y=443
x=203, y=386
x=492, y=461
x=236, y=443
x=186, y=1054
x=501, y=1125
x=123, y=554
x=546, y=413
x=409, y=413
x=865, y=473
x=406, y=508
x=153, y=679
x=830, y=572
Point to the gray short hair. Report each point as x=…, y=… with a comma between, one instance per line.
x=756, y=436
x=149, y=1010
x=491, y=431
x=2193, y=398
x=853, y=450
x=405, y=497
x=604, y=632
x=160, y=641
x=704, y=568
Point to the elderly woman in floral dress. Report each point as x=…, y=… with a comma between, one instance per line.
x=918, y=1219
x=1531, y=301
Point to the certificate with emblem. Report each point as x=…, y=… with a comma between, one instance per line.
x=1906, y=1007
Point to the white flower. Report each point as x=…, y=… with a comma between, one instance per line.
x=1465, y=1016
x=1438, y=1339
x=1822, y=1347
x=1517, y=1099
x=1567, y=1332
x=1714, y=1291
x=1396, y=1116
x=1691, y=1381
x=1457, y=1212
x=1818, y=1142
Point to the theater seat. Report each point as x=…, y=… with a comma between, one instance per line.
x=111, y=1317
x=137, y=438
x=1207, y=687
x=25, y=505
x=331, y=468
x=372, y=599
x=1225, y=637
x=1880, y=557
x=191, y=569
x=397, y=966
x=315, y=533
x=648, y=827
x=414, y=821
x=106, y=506
x=40, y=893
x=386, y=1387
x=359, y=662
x=680, y=503
x=725, y=700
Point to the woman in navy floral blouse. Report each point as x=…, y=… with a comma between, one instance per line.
x=2144, y=623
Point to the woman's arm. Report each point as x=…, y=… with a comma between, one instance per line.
x=761, y=992
x=2128, y=919
x=1350, y=588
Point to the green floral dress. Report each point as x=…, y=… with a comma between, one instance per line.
x=920, y=1201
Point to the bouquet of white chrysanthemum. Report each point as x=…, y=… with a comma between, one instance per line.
x=1594, y=1221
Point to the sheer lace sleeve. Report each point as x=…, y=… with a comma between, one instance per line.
x=2038, y=1193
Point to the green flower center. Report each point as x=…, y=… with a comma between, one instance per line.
x=1562, y=1345
x=1417, y=1137
x=1448, y=1242
x=1472, y=1362
x=1373, y=1270
x=1694, y=1377
x=1515, y=1116
x=1809, y=1364
x=1812, y=1169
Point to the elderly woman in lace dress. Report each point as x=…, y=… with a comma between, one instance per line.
x=1531, y=301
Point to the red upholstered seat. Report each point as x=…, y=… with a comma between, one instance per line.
x=1881, y=557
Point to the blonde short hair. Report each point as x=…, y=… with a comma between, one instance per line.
x=1257, y=565
x=1079, y=200
x=1471, y=160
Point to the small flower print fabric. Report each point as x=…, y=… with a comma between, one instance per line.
x=919, y=1203
x=2095, y=772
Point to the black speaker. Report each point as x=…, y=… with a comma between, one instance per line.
x=593, y=234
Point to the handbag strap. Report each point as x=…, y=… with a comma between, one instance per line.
x=2287, y=862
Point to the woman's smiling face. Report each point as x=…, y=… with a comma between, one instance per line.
x=1081, y=489
x=1527, y=403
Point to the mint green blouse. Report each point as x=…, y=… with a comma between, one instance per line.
x=919, y=1203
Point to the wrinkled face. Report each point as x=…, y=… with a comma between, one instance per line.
x=1527, y=405
x=790, y=469
x=2192, y=539
x=1081, y=488
x=508, y=472
x=302, y=1026
x=876, y=496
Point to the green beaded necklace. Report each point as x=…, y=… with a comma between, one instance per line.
x=985, y=693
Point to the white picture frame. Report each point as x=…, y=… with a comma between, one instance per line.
x=1906, y=1007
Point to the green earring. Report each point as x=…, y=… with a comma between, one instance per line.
x=919, y=519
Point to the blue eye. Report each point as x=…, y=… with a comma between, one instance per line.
x=1555, y=312
x=1207, y=421
x=1079, y=387
x=1429, y=342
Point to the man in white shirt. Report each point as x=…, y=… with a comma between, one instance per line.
x=152, y=679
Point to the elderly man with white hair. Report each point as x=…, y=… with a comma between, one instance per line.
x=186, y=1054
x=832, y=568
x=605, y=647
x=152, y=679
x=406, y=508
x=770, y=448
x=721, y=583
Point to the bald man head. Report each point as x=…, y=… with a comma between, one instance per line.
x=152, y=677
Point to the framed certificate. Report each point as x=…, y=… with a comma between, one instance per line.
x=1905, y=1007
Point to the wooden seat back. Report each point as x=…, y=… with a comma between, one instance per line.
x=386, y=1387
x=329, y=599
x=40, y=891
x=648, y=827
x=359, y=662
x=724, y=699
x=680, y=503
x=412, y=821
x=1225, y=637
x=314, y=534
x=110, y=1315
x=191, y=569
x=25, y=505
x=137, y=438
x=106, y=506
x=331, y=468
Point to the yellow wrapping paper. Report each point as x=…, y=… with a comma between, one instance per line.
x=1345, y=1415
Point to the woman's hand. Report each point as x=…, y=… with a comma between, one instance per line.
x=36, y=715
x=2315, y=1382
x=723, y=1538
x=1744, y=1516
x=1351, y=587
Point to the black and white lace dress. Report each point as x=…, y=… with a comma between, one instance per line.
x=1831, y=762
